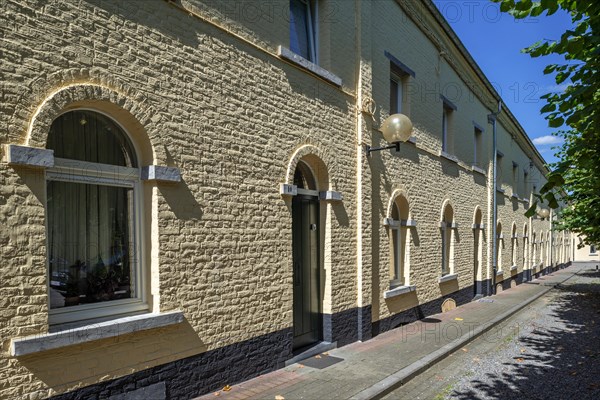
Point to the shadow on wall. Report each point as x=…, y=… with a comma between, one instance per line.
x=479, y=179
x=402, y=302
x=556, y=360
x=500, y=198
x=450, y=168
x=340, y=214
x=515, y=203
x=84, y=364
x=449, y=287
x=35, y=180
x=316, y=90
x=181, y=201
x=132, y=11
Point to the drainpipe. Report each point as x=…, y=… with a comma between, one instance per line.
x=492, y=120
x=551, y=240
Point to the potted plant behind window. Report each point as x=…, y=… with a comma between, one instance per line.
x=102, y=281
x=72, y=286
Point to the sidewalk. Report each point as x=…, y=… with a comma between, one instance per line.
x=374, y=368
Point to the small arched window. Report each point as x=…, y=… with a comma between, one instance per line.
x=399, y=244
x=499, y=246
x=534, y=249
x=513, y=245
x=447, y=228
x=92, y=219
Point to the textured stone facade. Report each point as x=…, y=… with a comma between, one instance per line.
x=201, y=89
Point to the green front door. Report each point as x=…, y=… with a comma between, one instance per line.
x=307, y=298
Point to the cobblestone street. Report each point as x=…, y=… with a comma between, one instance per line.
x=550, y=350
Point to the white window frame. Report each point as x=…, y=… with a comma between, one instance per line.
x=75, y=171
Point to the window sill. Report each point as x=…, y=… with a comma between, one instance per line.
x=475, y=168
x=515, y=196
x=89, y=333
x=289, y=55
x=397, y=291
x=501, y=190
x=448, y=156
x=447, y=278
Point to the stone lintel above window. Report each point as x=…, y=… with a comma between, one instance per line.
x=161, y=174
x=392, y=223
x=330, y=195
x=26, y=156
x=479, y=127
x=399, y=65
x=447, y=103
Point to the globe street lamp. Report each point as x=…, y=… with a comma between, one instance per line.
x=396, y=128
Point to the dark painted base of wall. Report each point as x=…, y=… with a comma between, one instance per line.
x=200, y=374
x=421, y=311
x=196, y=375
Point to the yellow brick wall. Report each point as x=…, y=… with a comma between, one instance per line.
x=208, y=95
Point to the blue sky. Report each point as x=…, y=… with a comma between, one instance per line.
x=495, y=41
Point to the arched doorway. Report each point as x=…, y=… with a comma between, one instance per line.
x=307, y=304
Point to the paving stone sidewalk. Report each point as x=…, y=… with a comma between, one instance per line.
x=373, y=368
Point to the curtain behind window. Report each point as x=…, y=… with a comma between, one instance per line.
x=88, y=136
x=300, y=26
x=88, y=240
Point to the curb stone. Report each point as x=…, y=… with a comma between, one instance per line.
x=396, y=380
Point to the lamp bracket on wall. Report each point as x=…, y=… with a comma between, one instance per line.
x=369, y=149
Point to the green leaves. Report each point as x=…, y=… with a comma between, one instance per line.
x=556, y=122
x=573, y=186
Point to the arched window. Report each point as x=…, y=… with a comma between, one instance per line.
x=542, y=248
x=513, y=245
x=499, y=246
x=92, y=218
x=534, y=249
x=399, y=244
x=447, y=230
